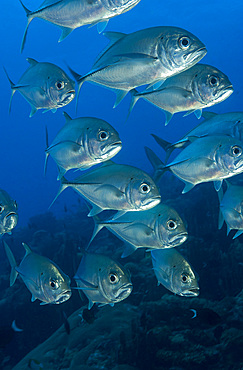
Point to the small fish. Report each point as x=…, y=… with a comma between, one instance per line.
x=7, y=334
x=44, y=86
x=156, y=228
x=82, y=143
x=231, y=208
x=174, y=272
x=115, y=187
x=103, y=280
x=8, y=213
x=42, y=277
x=214, y=124
x=148, y=56
x=71, y=14
x=209, y=158
x=206, y=316
x=192, y=90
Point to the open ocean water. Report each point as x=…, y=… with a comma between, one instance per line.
x=152, y=328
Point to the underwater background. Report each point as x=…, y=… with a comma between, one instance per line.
x=152, y=328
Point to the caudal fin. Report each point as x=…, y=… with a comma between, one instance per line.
x=158, y=165
x=27, y=11
x=80, y=80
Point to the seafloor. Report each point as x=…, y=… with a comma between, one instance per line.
x=152, y=328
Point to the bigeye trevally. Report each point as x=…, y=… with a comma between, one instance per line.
x=214, y=124
x=209, y=158
x=83, y=142
x=174, y=272
x=8, y=213
x=231, y=208
x=148, y=56
x=102, y=280
x=156, y=228
x=192, y=90
x=45, y=280
x=71, y=14
x=115, y=187
x=44, y=86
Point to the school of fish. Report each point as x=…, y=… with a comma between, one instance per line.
x=160, y=65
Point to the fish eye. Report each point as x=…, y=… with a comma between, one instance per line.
x=171, y=224
x=184, y=42
x=214, y=81
x=113, y=277
x=103, y=135
x=54, y=284
x=236, y=151
x=185, y=278
x=59, y=85
x=144, y=188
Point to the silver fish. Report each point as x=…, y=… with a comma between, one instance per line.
x=231, y=208
x=214, y=124
x=71, y=14
x=148, y=56
x=115, y=187
x=192, y=90
x=44, y=86
x=209, y=158
x=8, y=213
x=102, y=280
x=42, y=277
x=159, y=227
x=174, y=272
x=82, y=143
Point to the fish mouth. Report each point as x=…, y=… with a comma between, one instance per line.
x=69, y=96
x=64, y=296
x=124, y=291
x=198, y=54
x=179, y=238
x=239, y=164
x=113, y=148
x=151, y=202
x=11, y=220
x=193, y=292
x=226, y=92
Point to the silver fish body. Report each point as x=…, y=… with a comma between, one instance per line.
x=159, y=227
x=44, y=86
x=103, y=280
x=144, y=57
x=174, y=272
x=199, y=87
x=117, y=187
x=71, y=14
x=83, y=143
x=45, y=280
x=8, y=213
x=231, y=209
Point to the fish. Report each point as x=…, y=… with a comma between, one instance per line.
x=44, y=86
x=7, y=333
x=209, y=158
x=174, y=272
x=8, y=213
x=156, y=228
x=71, y=14
x=115, y=187
x=230, y=123
x=44, y=279
x=199, y=87
x=103, y=280
x=82, y=143
x=231, y=208
x=147, y=56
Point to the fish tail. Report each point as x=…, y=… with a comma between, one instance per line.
x=28, y=12
x=166, y=145
x=80, y=80
x=12, y=262
x=135, y=96
x=12, y=88
x=97, y=227
x=158, y=165
x=64, y=185
x=47, y=154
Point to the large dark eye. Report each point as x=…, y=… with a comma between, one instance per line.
x=184, y=42
x=59, y=85
x=185, y=278
x=103, y=135
x=113, y=278
x=144, y=188
x=54, y=284
x=214, y=81
x=171, y=224
x=236, y=151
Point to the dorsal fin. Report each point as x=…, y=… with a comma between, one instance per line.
x=32, y=61
x=208, y=115
x=27, y=249
x=67, y=117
